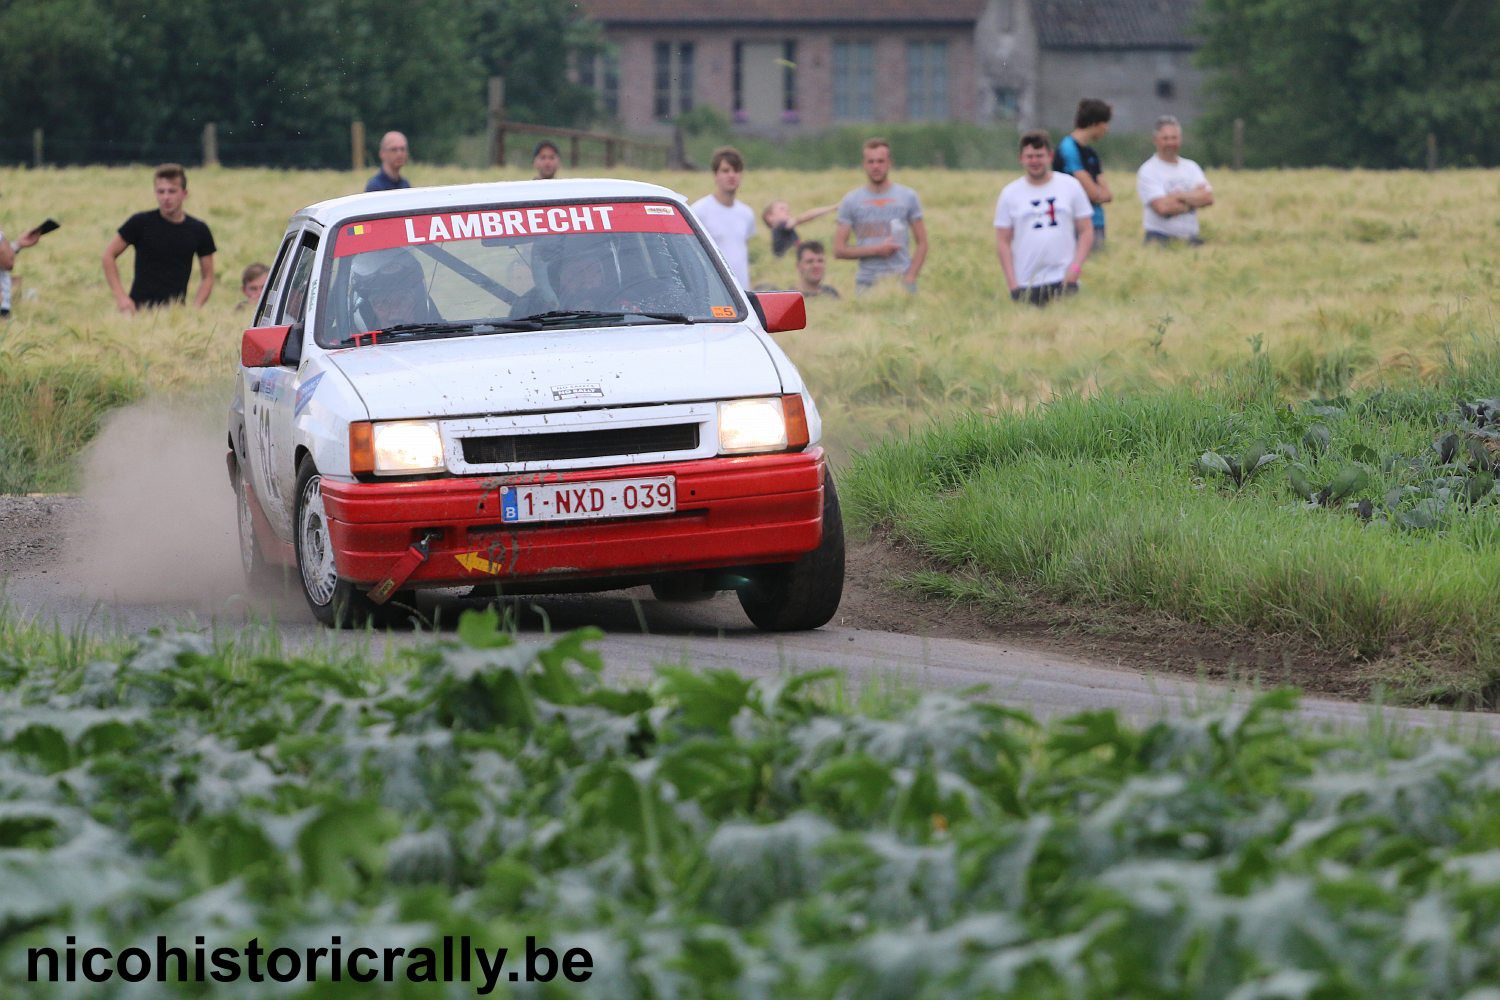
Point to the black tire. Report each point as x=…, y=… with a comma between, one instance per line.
x=259, y=574
x=804, y=594
x=334, y=601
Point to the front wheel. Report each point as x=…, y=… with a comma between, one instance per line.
x=804, y=594
x=334, y=601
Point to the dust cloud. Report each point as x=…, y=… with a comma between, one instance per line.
x=158, y=519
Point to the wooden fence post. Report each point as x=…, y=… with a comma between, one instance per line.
x=36, y=147
x=1432, y=160
x=1238, y=156
x=677, y=152
x=573, y=151
x=496, y=117
x=357, y=146
x=211, y=145
x=609, y=152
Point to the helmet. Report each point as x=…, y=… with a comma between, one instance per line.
x=389, y=286
x=397, y=266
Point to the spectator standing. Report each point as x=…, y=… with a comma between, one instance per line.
x=165, y=240
x=883, y=217
x=778, y=216
x=1076, y=157
x=729, y=222
x=393, y=155
x=252, y=283
x=811, y=267
x=8, y=251
x=1172, y=188
x=546, y=159
x=1043, y=227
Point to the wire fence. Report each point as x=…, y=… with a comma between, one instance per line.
x=332, y=152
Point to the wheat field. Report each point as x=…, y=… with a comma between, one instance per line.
x=1341, y=278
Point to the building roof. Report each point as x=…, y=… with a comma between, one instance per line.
x=1117, y=24
x=771, y=13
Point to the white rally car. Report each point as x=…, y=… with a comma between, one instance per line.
x=528, y=387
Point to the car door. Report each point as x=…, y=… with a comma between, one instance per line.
x=279, y=393
x=259, y=385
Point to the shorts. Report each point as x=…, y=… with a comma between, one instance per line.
x=1040, y=295
x=1162, y=239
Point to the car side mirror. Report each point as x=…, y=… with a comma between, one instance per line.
x=262, y=346
x=291, y=351
x=780, y=312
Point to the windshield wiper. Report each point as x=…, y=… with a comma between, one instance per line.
x=415, y=331
x=557, y=317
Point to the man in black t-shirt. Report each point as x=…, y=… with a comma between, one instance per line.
x=166, y=241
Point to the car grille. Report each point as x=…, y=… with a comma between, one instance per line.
x=511, y=448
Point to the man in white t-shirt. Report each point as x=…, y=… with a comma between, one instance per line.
x=1172, y=188
x=730, y=223
x=1044, y=227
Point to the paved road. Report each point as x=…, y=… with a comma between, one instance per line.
x=642, y=634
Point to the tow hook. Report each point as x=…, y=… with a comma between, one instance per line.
x=403, y=568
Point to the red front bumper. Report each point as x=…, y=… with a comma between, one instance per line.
x=730, y=512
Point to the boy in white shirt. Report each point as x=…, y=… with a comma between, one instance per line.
x=730, y=223
x=1172, y=188
x=1044, y=227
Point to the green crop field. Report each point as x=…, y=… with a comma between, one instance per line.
x=708, y=836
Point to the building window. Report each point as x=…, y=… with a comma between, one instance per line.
x=854, y=81
x=1007, y=104
x=601, y=74
x=751, y=66
x=1166, y=89
x=927, y=81
x=674, y=79
x=789, y=78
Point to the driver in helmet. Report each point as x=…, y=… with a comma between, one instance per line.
x=391, y=288
x=584, y=274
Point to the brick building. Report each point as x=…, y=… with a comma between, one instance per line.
x=778, y=67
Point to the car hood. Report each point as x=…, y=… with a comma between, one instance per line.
x=558, y=370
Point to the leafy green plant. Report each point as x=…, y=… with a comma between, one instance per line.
x=711, y=835
x=1238, y=469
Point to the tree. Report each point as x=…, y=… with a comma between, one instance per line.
x=1354, y=82
x=529, y=42
x=136, y=80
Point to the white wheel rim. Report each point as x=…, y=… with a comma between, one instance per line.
x=247, y=531
x=314, y=549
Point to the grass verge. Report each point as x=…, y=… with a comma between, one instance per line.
x=708, y=835
x=47, y=415
x=1103, y=501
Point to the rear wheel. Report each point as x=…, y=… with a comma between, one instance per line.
x=804, y=594
x=334, y=601
x=258, y=572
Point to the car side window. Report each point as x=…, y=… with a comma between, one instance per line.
x=279, y=272
x=294, y=302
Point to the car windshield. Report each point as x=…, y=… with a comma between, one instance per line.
x=520, y=268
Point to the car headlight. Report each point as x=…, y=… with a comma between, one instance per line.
x=751, y=425
x=396, y=447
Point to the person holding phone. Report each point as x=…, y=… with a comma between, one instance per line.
x=8, y=251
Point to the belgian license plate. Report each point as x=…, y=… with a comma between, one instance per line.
x=581, y=501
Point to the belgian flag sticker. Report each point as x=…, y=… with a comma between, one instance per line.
x=358, y=230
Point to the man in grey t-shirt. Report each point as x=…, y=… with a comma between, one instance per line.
x=884, y=219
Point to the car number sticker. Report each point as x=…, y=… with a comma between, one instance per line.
x=585, y=501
